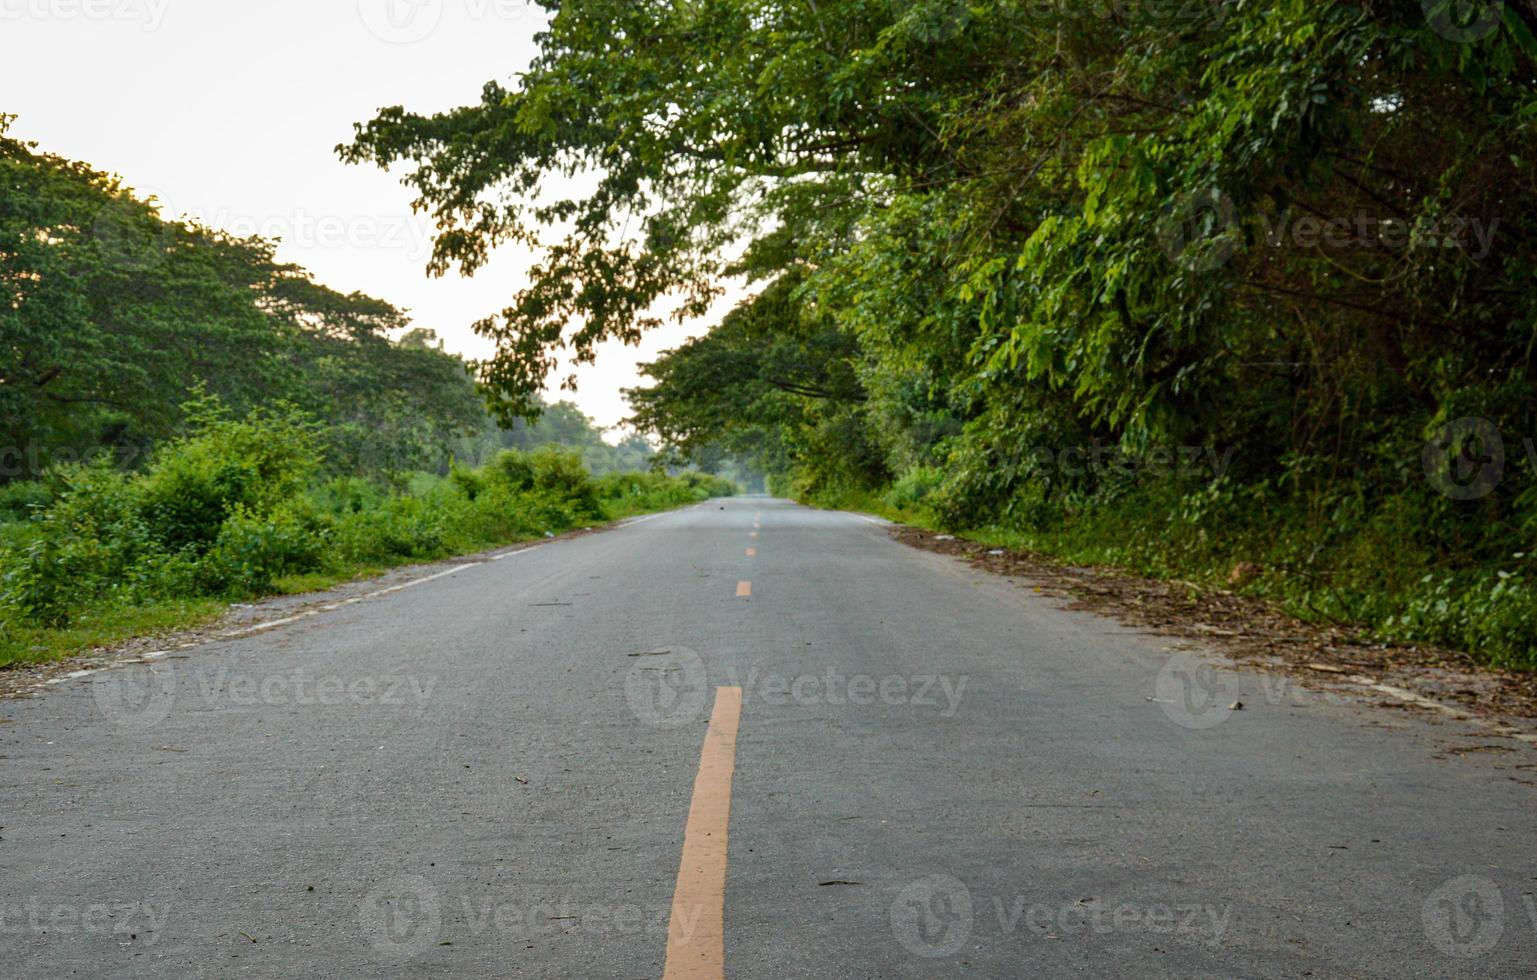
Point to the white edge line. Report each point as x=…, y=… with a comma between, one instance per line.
x=1410, y=697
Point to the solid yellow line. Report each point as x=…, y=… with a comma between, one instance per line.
x=696, y=930
x=744, y=589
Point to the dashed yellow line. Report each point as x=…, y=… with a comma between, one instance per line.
x=743, y=590
x=696, y=929
x=752, y=552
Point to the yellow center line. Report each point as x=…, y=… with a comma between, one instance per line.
x=744, y=589
x=696, y=930
x=752, y=534
x=752, y=552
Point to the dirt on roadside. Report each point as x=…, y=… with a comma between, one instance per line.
x=1252, y=631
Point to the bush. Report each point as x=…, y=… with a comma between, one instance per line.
x=513, y=469
x=80, y=546
x=20, y=500
x=252, y=551
x=253, y=464
x=913, y=490
x=561, y=482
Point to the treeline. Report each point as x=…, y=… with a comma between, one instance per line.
x=113, y=316
x=1232, y=291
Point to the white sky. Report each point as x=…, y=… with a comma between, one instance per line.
x=228, y=111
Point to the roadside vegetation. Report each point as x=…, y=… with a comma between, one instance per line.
x=185, y=421
x=1028, y=269
x=239, y=508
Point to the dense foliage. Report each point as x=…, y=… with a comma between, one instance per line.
x=1258, y=262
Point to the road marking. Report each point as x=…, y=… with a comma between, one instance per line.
x=752, y=534
x=744, y=589
x=752, y=552
x=425, y=579
x=696, y=928
x=273, y=624
x=872, y=520
x=259, y=627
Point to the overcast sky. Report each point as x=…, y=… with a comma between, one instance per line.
x=229, y=111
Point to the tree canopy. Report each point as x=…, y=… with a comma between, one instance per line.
x=116, y=315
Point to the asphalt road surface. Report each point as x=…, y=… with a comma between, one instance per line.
x=745, y=739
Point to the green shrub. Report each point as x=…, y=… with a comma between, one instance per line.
x=77, y=549
x=470, y=482
x=346, y=495
x=253, y=550
x=515, y=470
x=252, y=464
x=561, y=482
x=913, y=489
x=20, y=500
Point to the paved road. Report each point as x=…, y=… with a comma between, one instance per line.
x=520, y=769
